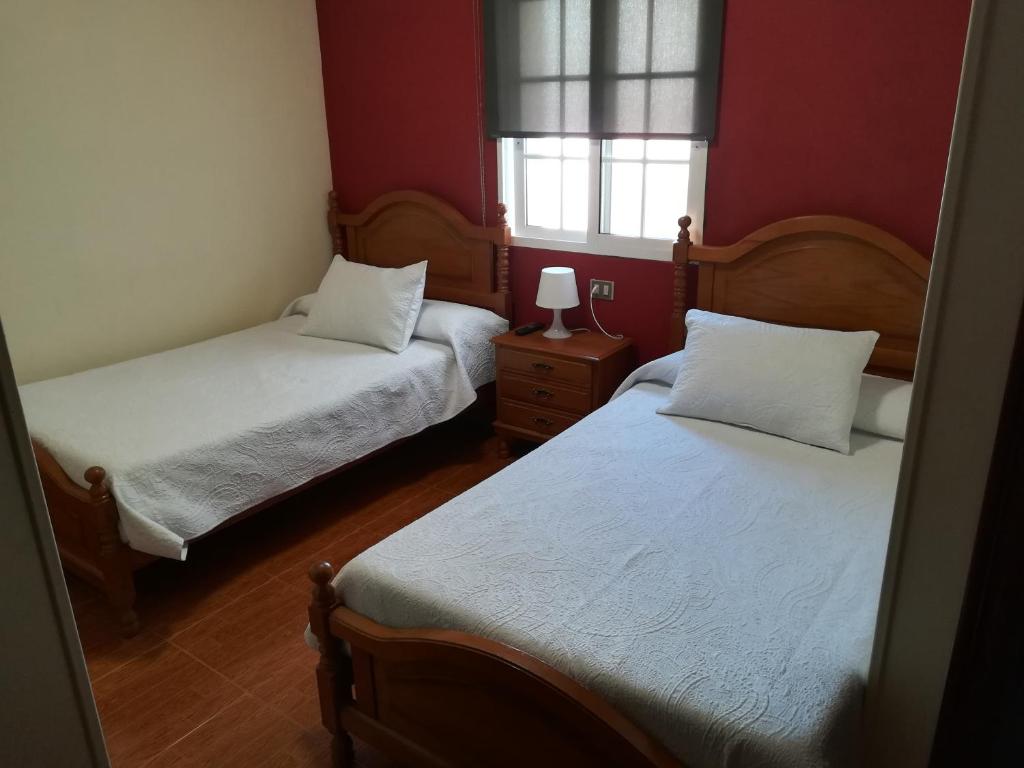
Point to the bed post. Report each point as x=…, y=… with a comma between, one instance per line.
x=114, y=557
x=502, y=262
x=332, y=222
x=680, y=260
x=333, y=673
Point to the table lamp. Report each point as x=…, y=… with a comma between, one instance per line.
x=557, y=291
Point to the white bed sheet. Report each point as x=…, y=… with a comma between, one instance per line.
x=716, y=584
x=193, y=436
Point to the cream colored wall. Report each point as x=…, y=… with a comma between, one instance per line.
x=163, y=173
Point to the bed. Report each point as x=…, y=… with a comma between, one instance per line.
x=175, y=445
x=689, y=593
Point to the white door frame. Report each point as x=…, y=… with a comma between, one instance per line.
x=47, y=715
x=975, y=297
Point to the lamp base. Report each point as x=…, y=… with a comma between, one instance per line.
x=557, y=329
x=553, y=333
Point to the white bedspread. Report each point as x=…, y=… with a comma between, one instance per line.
x=718, y=585
x=193, y=436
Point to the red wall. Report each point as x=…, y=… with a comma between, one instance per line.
x=835, y=107
x=401, y=90
x=826, y=107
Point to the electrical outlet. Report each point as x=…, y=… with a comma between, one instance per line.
x=602, y=289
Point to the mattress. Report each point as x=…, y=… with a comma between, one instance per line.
x=719, y=586
x=193, y=436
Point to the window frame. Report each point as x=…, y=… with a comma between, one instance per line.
x=511, y=169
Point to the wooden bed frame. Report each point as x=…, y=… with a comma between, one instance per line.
x=446, y=698
x=812, y=271
x=466, y=263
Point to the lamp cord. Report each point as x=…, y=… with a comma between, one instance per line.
x=596, y=321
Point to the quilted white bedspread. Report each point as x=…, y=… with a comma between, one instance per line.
x=193, y=436
x=718, y=585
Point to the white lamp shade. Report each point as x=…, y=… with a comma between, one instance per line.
x=557, y=289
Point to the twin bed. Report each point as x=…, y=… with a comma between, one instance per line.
x=175, y=445
x=644, y=589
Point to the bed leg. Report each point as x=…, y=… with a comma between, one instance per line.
x=114, y=555
x=127, y=618
x=342, y=751
x=333, y=671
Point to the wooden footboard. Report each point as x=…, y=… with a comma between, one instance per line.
x=85, y=525
x=444, y=698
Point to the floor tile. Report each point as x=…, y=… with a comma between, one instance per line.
x=467, y=452
x=344, y=549
x=102, y=644
x=258, y=632
x=470, y=473
x=289, y=686
x=247, y=734
x=156, y=699
x=427, y=461
x=175, y=595
x=292, y=534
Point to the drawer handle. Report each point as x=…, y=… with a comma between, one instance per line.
x=539, y=392
x=542, y=421
x=543, y=367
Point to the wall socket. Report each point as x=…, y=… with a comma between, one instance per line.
x=602, y=289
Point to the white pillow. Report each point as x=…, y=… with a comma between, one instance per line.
x=299, y=306
x=800, y=383
x=883, y=406
x=443, y=320
x=662, y=370
x=368, y=305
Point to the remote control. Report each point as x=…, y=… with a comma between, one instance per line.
x=523, y=330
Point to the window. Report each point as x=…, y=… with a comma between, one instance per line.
x=615, y=197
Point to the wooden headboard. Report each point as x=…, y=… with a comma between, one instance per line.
x=812, y=271
x=465, y=262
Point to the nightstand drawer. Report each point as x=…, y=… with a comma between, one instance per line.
x=544, y=367
x=546, y=394
x=533, y=419
x=547, y=385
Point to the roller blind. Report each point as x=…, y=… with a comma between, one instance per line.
x=602, y=68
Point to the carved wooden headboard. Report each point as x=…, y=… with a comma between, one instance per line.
x=465, y=262
x=812, y=271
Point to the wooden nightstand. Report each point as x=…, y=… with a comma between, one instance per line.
x=547, y=385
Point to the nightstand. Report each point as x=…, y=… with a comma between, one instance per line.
x=547, y=385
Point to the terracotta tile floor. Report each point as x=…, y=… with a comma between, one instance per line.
x=220, y=675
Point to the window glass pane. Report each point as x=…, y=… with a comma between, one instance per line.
x=625, y=181
x=668, y=149
x=540, y=106
x=574, y=195
x=549, y=147
x=631, y=51
x=673, y=105
x=540, y=43
x=577, y=107
x=625, y=106
x=624, y=149
x=665, y=199
x=543, y=193
x=576, y=147
x=577, y=37
x=676, y=36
